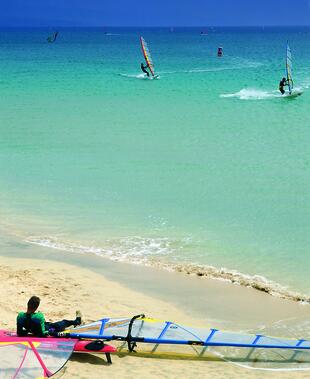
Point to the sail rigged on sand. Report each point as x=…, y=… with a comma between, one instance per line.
x=147, y=55
x=289, y=68
x=165, y=338
x=29, y=357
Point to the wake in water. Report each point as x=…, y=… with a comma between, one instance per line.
x=199, y=70
x=252, y=94
x=242, y=66
x=256, y=94
x=153, y=252
x=202, y=70
x=140, y=76
x=192, y=71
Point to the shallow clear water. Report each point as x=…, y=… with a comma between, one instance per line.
x=207, y=165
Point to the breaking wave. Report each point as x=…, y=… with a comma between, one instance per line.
x=153, y=252
x=135, y=250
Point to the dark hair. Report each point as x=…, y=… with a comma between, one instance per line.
x=33, y=303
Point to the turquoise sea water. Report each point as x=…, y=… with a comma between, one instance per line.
x=207, y=165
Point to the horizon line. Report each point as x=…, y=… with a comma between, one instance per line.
x=152, y=26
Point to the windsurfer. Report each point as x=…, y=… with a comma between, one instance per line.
x=52, y=38
x=32, y=322
x=282, y=84
x=144, y=69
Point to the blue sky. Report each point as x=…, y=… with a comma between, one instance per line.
x=154, y=13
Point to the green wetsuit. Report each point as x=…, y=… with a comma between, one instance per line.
x=31, y=323
x=34, y=323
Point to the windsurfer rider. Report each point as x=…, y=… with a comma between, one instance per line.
x=144, y=69
x=53, y=38
x=282, y=84
x=32, y=322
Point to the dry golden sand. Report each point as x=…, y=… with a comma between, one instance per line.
x=64, y=288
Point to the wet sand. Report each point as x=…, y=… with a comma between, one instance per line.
x=66, y=282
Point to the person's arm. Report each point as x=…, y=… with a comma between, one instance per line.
x=43, y=331
x=21, y=332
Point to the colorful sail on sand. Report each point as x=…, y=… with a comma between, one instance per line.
x=32, y=358
x=167, y=339
x=147, y=56
x=10, y=340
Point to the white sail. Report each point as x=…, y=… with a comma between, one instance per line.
x=289, y=68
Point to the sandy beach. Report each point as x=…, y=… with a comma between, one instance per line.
x=65, y=287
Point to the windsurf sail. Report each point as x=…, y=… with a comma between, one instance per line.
x=52, y=38
x=165, y=338
x=289, y=68
x=147, y=56
x=33, y=358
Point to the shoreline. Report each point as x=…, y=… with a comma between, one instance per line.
x=257, y=282
x=115, y=253
x=67, y=286
x=222, y=302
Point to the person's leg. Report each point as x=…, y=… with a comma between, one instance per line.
x=60, y=326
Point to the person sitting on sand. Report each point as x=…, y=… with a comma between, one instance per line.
x=282, y=84
x=144, y=69
x=32, y=322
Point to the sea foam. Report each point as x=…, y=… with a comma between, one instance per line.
x=151, y=251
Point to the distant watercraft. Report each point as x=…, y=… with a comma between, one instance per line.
x=289, y=77
x=52, y=38
x=148, y=57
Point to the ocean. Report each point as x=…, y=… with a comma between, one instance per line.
x=205, y=170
